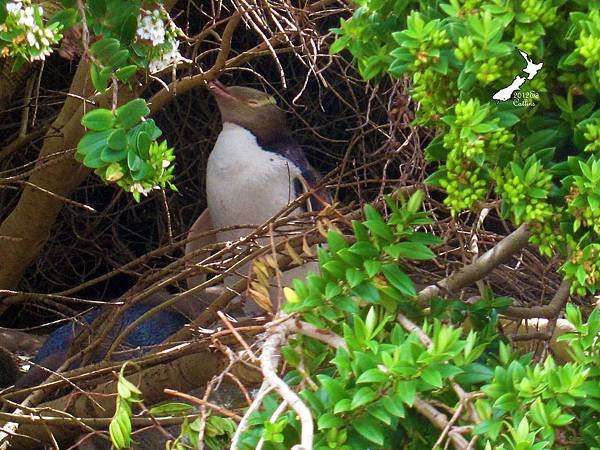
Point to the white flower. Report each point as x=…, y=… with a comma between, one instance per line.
x=172, y=56
x=26, y=18
x=166, y=163
x=13, y=7
x=31, y=39
x=137, y=187
x=151, y=28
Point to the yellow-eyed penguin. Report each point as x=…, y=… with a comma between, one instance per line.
x=255, y=169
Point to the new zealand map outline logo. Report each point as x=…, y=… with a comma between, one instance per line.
x=531, y=70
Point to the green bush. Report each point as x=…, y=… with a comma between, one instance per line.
x=371, y=393
x=538, y=153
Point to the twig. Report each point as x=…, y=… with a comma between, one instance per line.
x=269, y=360
x=201, y=402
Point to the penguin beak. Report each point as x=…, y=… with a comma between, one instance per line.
x=219, y=89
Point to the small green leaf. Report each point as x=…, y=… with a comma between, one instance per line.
x=370, y=429
x=99, y=79
x=395, y=408
x=143, y=142
x=99, y=119
x=93, y=142
x=432, y=377
x=372, y=376
x=328, y=420
x=118, y=139
x=399, y=279
x=125, y=73
x=119, y=59
x=105, y=48
x=339, y=44
x=131, y=113
x=363, y=396
x=171, y=409
x=410, y=250
x=133, y=160
x=110, y=155
x=366, y=291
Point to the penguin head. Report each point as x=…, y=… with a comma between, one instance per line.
x=252, y=109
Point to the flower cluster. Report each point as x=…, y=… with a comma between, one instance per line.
x=159, y=35
x=165, y=59
x=152, y=27
x=160, y=172
x=24, y=25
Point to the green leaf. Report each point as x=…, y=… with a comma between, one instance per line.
x=339, y=44
x=342, y=406
x=328, y=420
x=171, y=409
x=143, y=143
x=372, y=267
x=335, y=241
x=118, y=139
x=354, y=277
x=410, y=250
x=99, y=79
x=432, y=377
x=367, y=292
x=125, y=73
x=119, y=59
x=370, y=429
x=110, y=155
x=364, y=248
x=133, y=160
x=363, y=396
x=395, y=408
x=142, y=172
x=67, y=18
x=378, y=411
x=98, y=119
x=105, y=48
x=379, y=228
x=131, y=113
x=372, y=376
x=399, y=279
x=93, y=142
x=97, y=7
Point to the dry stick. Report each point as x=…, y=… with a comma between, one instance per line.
x=264, y=390
x=269, y=360
x=276, y=414
x=201, y=402
x=548, y=311
x=479, y=268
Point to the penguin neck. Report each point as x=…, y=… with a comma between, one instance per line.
x=269, y=136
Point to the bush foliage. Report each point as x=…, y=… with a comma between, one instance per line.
x=538, y=154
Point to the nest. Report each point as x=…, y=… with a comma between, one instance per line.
x=360, y=133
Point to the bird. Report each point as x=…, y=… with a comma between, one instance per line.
x=532, y=69
x=255, y=170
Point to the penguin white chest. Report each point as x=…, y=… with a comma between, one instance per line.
x=244, y=183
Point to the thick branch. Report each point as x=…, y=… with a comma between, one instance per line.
x=475, y=271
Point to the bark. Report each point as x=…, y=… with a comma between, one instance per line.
x=25, y=231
